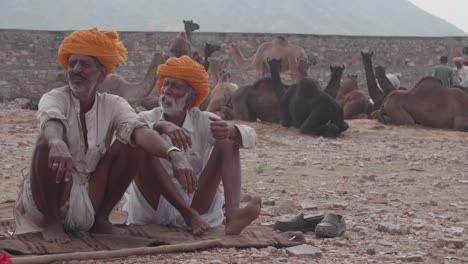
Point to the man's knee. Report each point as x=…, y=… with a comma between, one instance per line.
x=127, y=153
x=226, y=148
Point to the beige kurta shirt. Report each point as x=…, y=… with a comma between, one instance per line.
x=110, y=115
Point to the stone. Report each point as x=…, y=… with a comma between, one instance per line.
x=393, y=229
x=340, y=205
x=286, y=207
x=308, y=205
x=305, y=250
x=412, y=258
x=446, y=242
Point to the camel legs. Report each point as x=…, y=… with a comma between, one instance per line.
x=354, y=110
x=460, y=123
x=396, y=114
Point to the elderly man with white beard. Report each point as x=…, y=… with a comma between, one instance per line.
x=210, y=144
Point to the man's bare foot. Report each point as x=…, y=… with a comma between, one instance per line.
x=239, y=218
x=54, y=233
x=197, y=225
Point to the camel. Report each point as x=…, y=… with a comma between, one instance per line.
x=260, y=100
x=215, y=70
x=209, y=50
x=314, y=112
x=134, y=93
x=354, y=103
x=427, y=104
x=182, y=44
x=379, y=87
x=335, y=80
x=254, y=101
x=223, y=89
x=278, y=48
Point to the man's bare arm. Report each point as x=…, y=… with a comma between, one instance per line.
x=60, y=159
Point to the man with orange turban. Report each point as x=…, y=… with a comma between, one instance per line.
x=77, y=174
x=210, y=144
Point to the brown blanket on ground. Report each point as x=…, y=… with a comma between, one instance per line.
x=141, y=236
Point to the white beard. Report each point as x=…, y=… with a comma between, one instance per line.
x=171, y=106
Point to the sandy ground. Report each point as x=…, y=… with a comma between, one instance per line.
x=402, y=190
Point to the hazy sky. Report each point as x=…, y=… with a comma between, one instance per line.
x=453, y=11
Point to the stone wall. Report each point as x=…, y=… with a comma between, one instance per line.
x=29, y=58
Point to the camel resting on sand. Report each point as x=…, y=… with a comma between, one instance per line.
x=427, y=104
x=279, y=48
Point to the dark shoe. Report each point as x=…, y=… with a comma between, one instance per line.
x=299, y=223
x=332, y=225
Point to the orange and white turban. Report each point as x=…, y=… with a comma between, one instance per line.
x=105, y=46
x=188, y=70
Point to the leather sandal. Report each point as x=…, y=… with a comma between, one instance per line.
x=299, y=223
x=332, y=225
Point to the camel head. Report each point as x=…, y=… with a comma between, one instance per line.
x=367, y=54
x=190, y=26
x=275, y=64
x=211, y=48
x=337, y=70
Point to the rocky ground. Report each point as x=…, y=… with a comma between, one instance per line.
x=402, y=190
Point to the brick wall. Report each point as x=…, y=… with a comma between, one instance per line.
x=29, y=58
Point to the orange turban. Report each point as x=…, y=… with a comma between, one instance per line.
x=188, y=70
x=105, y=46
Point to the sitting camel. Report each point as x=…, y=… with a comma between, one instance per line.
x=135, y=93
x=354, y=103
x=223, y=89
x=260, y=100
x=427, y=104
x=182, y=44
x=306, y=107
x=279, y=48
x=346, y=92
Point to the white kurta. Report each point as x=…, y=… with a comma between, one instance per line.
x=109, y=115
x=197, y=123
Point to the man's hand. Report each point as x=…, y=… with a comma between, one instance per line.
x=60, y=160
x=179, y=136
x=183, y=172
x=221, y=129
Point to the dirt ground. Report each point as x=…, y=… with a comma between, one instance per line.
x=402, y=190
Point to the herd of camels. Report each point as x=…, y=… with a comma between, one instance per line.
x=303, y=104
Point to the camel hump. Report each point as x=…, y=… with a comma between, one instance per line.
x=428, y=81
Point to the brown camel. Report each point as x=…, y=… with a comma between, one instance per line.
x=182, y=44
x=134, y=93
x=427, y=104
x=278, y=48
x=260, y=100
x=354, y=103
x=223, y=89
x=216, y=68
x=254, y=101
x=209, y=50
